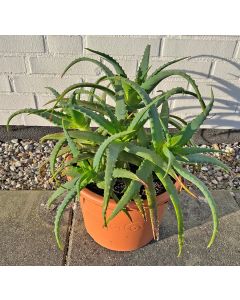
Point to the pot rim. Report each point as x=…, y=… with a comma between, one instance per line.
x=98, y=199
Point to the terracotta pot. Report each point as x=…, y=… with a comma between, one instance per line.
x=121, y=234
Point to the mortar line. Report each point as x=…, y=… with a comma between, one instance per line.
x=161, y=47
x=11, y=84
x=45, y=44
x=236, y=49
x=35, y=100
x=212, y=69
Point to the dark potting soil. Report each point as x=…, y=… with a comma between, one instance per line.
x=119, y=188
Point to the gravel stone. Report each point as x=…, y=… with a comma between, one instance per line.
x=20, y=162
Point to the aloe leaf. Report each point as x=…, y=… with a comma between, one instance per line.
x=98, y=107
x=112, y=156
x=61, y=190
x=156, y=129
x=101, y=108
x=84, y=180
x=175, y=124
x=144, y=171
x=203, y=188
x=85, y=85
x=84, y=136
x=139, y=203
x=72, y=145
x=120, y=109
x=54, y=92
x=55, y=152
x=142, y=137
x=144, y=66
x=68, y=198
x=171, y=189
x=178, y=119
x=152, y=206
x=158, y=70
x=92, y=91
x=77, y=160
x=123, y=173
x=125, y=210
x=130, y=158
x=169, y=156
x=54, y=117
x=142, y=116
x=99, y=119
x=106, y=70
x=149, y=155
x=105, y=144
x=119, y=70
x=203, y=159
x=184, y=136
x=194, y=150
x=164, y=118
x=153, y=81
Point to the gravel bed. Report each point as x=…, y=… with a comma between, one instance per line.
x=20, y=162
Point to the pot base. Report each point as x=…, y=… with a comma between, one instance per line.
x=122, y=234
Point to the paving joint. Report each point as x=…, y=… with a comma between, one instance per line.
x=69, y=235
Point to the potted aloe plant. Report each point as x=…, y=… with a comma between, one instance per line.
x=124, y=173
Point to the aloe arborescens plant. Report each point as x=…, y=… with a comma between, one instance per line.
x=121, y=147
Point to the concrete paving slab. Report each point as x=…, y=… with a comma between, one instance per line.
x=26, y=229
x=196, y=212
x=225, y=251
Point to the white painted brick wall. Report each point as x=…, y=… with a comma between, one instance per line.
x=12, y=64
x=56, y=65
x=30, y=63
x=124, y=45
x=4, y=84
x=65, y=44
x=183, y=47
x=15, y=101
x=38, y=84
x=21, y=43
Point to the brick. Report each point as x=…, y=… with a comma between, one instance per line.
x=65, y=44
x=5, y=114
x=21, y=43
x=37, y=84
x=56, y=65
x=227, y=70
x=13, y=101
x=42, y=99
x=12, y=64
x=4, y=84
x=183, y=47
x=196, y=69
x=124, y=45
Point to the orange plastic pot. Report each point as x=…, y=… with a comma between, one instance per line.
x=121, y=234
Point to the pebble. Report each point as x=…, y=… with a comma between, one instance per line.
x=20, y=161
x=18, y=164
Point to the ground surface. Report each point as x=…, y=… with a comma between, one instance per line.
x=21, y=161
x=27, y=237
